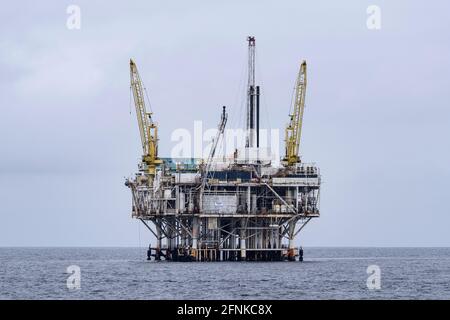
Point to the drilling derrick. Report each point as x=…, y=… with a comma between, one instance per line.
x=241, y=209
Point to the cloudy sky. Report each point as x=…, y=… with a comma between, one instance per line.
x=376, y=121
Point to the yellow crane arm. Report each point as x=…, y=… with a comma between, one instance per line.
x=147, y=128
x=141, y=113
x=294, y=128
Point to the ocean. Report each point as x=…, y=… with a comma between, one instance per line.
x=326, y=273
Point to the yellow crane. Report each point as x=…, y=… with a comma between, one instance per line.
x=147, y=128
x=294, y=127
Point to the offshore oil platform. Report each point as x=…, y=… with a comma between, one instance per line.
x=246, y=209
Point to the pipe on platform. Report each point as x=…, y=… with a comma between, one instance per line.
x=242, y=242
x=195, y=237
x=257, y=116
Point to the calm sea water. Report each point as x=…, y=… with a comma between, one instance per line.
x=326, y=273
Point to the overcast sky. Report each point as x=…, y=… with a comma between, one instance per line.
x=376, y=120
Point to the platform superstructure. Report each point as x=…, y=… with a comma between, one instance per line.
x=243, y=208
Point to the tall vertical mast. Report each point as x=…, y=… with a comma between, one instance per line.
x=250, y=128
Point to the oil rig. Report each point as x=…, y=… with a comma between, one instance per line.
x=244, y=210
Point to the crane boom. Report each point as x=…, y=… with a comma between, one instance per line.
x=220, y=130
x=147, y=128
x=294, y=128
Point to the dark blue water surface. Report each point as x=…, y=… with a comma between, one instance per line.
x=123, y=273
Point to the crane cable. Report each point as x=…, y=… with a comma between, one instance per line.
x=264, y=104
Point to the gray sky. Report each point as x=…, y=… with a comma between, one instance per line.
x=377, y=117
